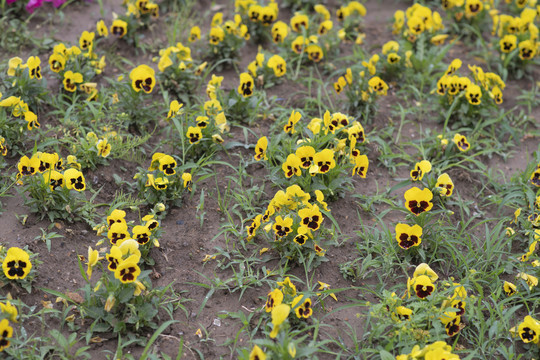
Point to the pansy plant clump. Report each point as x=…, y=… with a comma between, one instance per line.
x=18, y=267
x=471, y=98
x=267, y=69
x=161, y=183
x=430, y=309
x=198, y=133
x=317, y=156
x=293, y=225
x=14, y=110
x=226, y=38
x=259, y=17
x=468, y=17
x=76, y=67
x=516, y=39
x=178, y=72
x=54, y=187
x=418, y=25
x=288, y=312
x=362, y=87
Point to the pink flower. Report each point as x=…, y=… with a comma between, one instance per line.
x=33, y=4
x=11, y=1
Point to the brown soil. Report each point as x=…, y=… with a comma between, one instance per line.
x=185, y=242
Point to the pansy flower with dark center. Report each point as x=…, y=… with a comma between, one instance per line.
x=254, y=12
x=274, y=298
x=282, y=227
x=252, y=228
x=142, y=234
x=403, y=313
x=102, y=29
x=304, y=309
x=325, y=27
x=86, y=40
x=453, y=326
x=361, y=165
x=116, y=216
x=47, y=161
x=194, y=34
x=194, y=134
x=529, y=330
x=74, y=180
x=31, y=120
x=376, y=84
x=445, y=185
x=535, y=177
x=260, y=149
x=474, y=94
x=167, y=165
x=473, y=7
x=324, y=160
x=408, y=236
x=319, y=250
x=509, y=288
x=160, y=183
x=527, y=49
x=57, y=62
x=418, y=201
x=315, y=52
x=151, y=223
x=71, y=80
x=305, y=154
x=461, y=142
x=280, y=30
x=28, y=166
x=270, y=210
x=416, y=25
x=422, y=286
x=298, y=44
x=453, y=85
x=34, y=67
x=300, y=239
x=420, y=169
x=268, y=15
x=54, y=178
x=16, y=264
x=311, y=217
x=6, y=332
x=143, y=78
x=142, y=6
x=103, y=147
x=497, y=95
x=393, y=58
x=128, y=270
x=340, y=84
x=293, y=119
x=119, y=28
x=114, y=258
x=3, y=146
x=202, y=121
x=278, y=64
x=117, y=232
x=508, y=43
x=292, y=166
x=298, y=21
x=246, y=85
x=216, y=35
x=442, y=85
